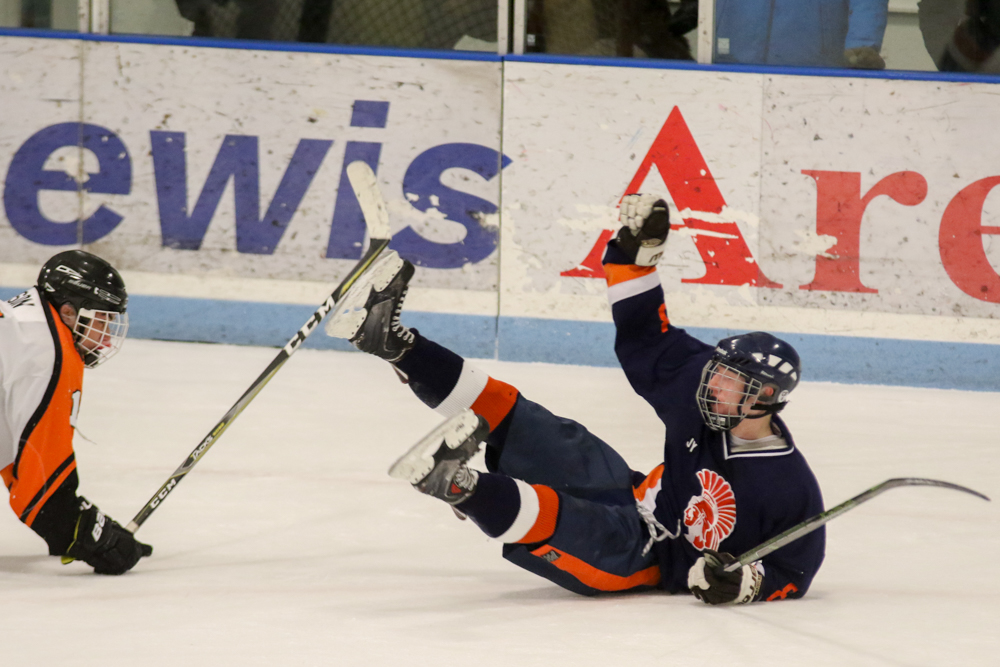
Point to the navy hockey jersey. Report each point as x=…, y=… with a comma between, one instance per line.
x=712, y=490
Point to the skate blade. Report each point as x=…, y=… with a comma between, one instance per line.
x=417, y=463
x=350, y=313
x=345, y=324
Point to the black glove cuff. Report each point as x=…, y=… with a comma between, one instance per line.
x=56, y=520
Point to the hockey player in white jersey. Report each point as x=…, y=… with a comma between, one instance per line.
x=73, y=318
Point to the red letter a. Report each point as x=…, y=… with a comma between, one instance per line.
x=727, y=258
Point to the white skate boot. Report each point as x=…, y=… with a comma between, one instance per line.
x=436, y=465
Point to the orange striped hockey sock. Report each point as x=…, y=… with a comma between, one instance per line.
x=511, y=510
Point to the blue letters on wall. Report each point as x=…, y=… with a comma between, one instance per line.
x=27, y=177
x=423, y=181
x=238, y=159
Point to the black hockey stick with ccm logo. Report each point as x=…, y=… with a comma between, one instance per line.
x=809, y=525
x=377, y=221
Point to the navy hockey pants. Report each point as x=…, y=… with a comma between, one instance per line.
x=599, y=538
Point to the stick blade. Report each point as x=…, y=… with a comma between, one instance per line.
x=370, y=198
x=811, y=524
x=920, y=481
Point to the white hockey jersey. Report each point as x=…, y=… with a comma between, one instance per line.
x=41, y=376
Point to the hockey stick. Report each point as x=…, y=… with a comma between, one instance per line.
x=809, y=525
x=377, y=221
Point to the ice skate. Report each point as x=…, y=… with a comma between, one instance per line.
x=368, y=314
x=436, y=464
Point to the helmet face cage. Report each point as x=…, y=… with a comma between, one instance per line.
x=99, y=334
x=725, y=402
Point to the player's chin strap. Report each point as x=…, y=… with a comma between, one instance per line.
x=657, y=531
x=766, y=409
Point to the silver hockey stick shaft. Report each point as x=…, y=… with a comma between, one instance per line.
x=366, y=190
x=809, y=525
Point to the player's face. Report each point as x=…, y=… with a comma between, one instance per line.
x=94, y=333
x=97, y=334
x=727, y=389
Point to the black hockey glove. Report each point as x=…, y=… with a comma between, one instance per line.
x=645, y=223
x=99, y=541
x=710, y=583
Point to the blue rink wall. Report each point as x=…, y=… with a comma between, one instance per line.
x=850, y=360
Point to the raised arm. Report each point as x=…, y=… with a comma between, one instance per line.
x=651, y=351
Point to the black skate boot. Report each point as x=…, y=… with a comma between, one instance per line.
x=368, y=314
x=436, y=464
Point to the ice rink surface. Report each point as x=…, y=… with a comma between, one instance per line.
x=289, y=545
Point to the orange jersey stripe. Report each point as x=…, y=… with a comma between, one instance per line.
x=495, y=402
x=783, y=593
x=591, y=576
x=620, y=273
x=664, y=320
x=651, y=481
x=548, y=512
x=46, y=458
x=49, y=489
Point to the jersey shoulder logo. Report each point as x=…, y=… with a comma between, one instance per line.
x=20, y=300
x=711, y=516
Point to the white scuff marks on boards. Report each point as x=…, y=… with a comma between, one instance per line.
x=430, y=224
x=594, y=217
x=710, y=303
x=726, y=215
x=811, y=243
x=690, y=231
x=513, y=258
x=77, y=164
x=489, y=220
x=65, y=206
x=529, y=286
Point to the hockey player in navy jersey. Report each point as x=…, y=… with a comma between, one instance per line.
x=73, y=318
x=568, y=507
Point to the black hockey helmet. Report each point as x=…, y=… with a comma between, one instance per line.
x=84, y=281
x=762, y=361
x=97, y=292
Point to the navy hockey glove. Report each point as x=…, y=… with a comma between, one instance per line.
x=645, y=223
x=99, y=541
x=711, y=584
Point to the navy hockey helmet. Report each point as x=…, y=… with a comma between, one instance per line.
x=766, y=369
x=97, y=292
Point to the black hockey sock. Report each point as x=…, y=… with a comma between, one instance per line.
x=432, y=370
x=494, y=505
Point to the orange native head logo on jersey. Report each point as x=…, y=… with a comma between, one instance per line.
x=710, y=517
